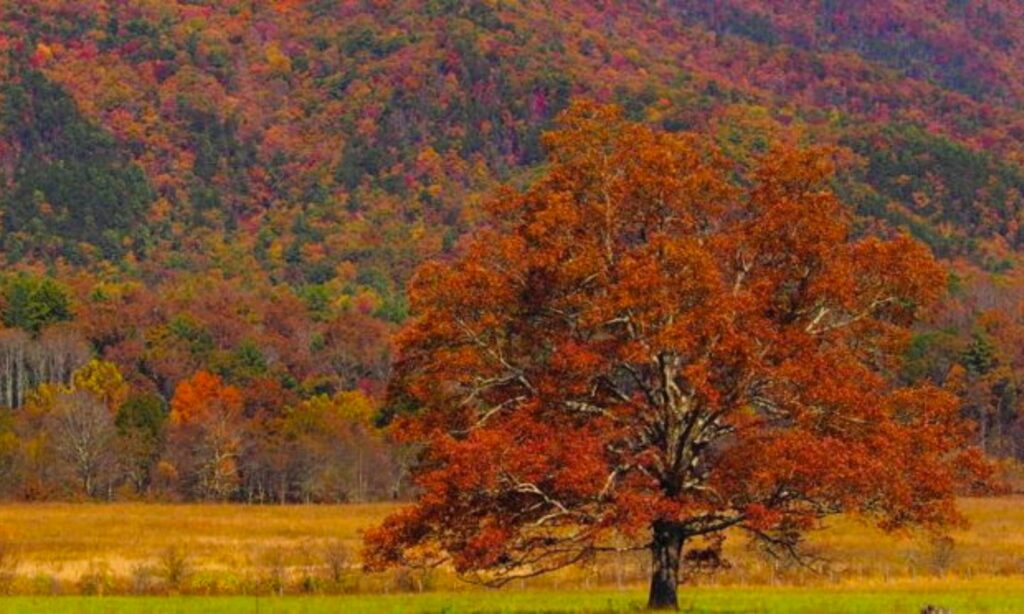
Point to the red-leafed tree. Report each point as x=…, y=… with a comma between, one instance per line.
x=206, y=433
x=636, y=351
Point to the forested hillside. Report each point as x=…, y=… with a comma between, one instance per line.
x=210, y=209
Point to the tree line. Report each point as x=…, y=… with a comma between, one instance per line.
x=114, y=404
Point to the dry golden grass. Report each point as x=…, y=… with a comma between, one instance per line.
x=993, y=544
x=854, y=552
x=127, y=547
x=64, y=538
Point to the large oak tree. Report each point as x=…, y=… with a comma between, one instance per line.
x=648, y=346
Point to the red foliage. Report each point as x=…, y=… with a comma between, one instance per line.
x=203, y=397
x=634, y=344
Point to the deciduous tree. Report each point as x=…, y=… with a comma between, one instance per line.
x=636, y=351
x=206, y=417
x=83, y=434
x=140, y=423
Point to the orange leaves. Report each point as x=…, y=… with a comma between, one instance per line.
x=633, y=341
x=202, y=397
x=760, y=517
x=284, y=6
x=483, y=549
x=903, y=268
x=42, y=55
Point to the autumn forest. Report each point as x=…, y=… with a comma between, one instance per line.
x=763, y=260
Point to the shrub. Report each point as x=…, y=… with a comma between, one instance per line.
x=174, y=567
x=337, y=559
x=96, y=580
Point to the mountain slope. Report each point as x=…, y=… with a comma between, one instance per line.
x=397, y=116
x=234, y=193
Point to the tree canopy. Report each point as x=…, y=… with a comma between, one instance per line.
x=635, y=350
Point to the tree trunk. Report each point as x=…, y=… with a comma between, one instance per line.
x=665, y=551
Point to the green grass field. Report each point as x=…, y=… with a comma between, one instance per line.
x=782, y=599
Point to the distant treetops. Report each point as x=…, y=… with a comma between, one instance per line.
x=111, y=391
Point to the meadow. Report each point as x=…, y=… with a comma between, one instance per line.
x=894, y=599
x=231, y=558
